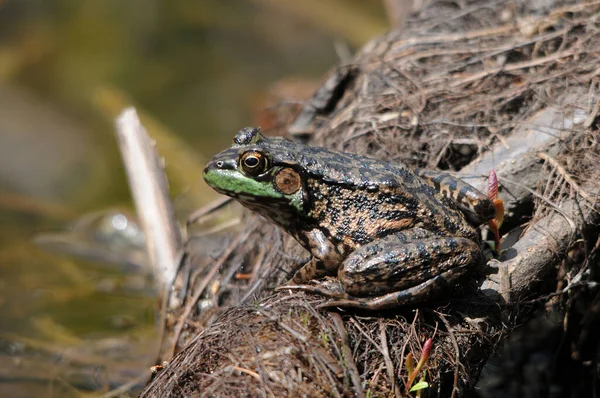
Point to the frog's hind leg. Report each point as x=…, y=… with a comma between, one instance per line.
x=410, y=296
x=334, y=290
x=329, y=288
x=396, y=270
x=403, y=261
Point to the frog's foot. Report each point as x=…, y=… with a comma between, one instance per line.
x=328, y=288
x=410, y=296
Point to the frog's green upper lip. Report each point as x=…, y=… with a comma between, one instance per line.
x=223, y=175
x=216, y=169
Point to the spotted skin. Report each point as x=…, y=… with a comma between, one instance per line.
x=476, y=206
x=392, y=236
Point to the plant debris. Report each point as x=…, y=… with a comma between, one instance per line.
x=460, y=83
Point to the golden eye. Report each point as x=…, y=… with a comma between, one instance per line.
x=254, y=163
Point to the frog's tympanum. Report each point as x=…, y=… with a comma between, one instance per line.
x=391, y=235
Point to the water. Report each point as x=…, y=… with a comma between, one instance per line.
x=197, y=72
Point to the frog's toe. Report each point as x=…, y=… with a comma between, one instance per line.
x=407, y=297
x=327, y=288
x=347, y=303
x=385, y=302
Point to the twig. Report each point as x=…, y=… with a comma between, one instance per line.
x=387, y=359
x=592, y=116
x=456, y=352
x=545, y=200
x=568, y=177
x=401, y=365
x=513, y=67
x=189, y=306
x=258, y=360
x=297, y=335
x=149, y=188
x=210, y=208
x=246, y=371
x=348, y=357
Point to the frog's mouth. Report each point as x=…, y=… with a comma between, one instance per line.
x=250, y=192
x=258, y=196
x=235, y=184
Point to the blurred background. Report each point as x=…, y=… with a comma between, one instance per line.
x=74, y=317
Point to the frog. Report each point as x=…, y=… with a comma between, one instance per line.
x=380, y=234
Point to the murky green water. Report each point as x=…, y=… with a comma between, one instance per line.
x=197, y=71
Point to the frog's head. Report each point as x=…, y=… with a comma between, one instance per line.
x=253, y=172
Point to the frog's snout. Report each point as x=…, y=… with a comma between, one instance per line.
x=212, y=165
x=218, y=164
x=207, y=168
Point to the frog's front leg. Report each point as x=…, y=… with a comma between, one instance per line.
x=399, y=269
x=325, y=261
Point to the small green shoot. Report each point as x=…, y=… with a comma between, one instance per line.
x=414, y=370
x=419, y=386
x=305, y=319
x=324, y=338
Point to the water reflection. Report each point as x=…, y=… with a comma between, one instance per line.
x=81, y=318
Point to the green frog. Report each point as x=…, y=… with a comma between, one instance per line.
x=392, y=236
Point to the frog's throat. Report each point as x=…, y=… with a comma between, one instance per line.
x=233, y=183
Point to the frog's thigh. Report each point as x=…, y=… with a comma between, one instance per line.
x=402, y=261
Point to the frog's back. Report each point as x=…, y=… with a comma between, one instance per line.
x=356, y=199
x=343, y=169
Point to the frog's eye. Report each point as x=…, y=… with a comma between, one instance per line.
x=254, y=163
